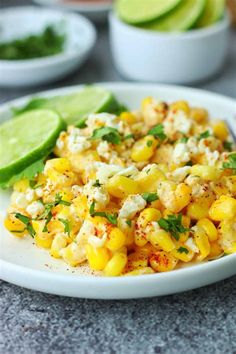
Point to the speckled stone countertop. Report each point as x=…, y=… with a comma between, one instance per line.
x=199, y=321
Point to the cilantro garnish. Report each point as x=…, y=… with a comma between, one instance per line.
x=97, y=183
x=129, y=223
x=149, y=143
x=66, y=224
x=183, y=250
x=129, y=136
x=107, y=133
x=81, y=123
x=173, y=224
x=184, y=139
x=27, y=222
x=47, y=213
x=228, y=145
x=112, y=218
x=158, y=132
x=231, y=164
x=204, y=135
x=150, y=197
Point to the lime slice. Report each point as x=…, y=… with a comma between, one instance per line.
x=27, y=139
x=183, y=17
x=141, y=11
x=213, y=11
x=78, y=105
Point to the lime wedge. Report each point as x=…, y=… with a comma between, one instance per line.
x=78, y=105
x=183, y=17
x=141, y=11
x=213, y=11
x=27, y=139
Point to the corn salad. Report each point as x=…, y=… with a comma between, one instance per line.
x=143, y=192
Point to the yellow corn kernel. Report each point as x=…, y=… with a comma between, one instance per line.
x=200, y=115
x=97, y=257
x=121, y=186
x=55, y=226
x=209, y=173
x=145, y=102
x=115, y=265
x=162, y=261
x=197, y=211
x=230, y=182
x=162, y=239
x=227, y=231
x=202, y=242
x=149, y=178
x=128, y=117
x=180, y=106
x=81, y=206
x=182, y=253
x=147, y=215
x=209, y=228
x=116, y=239
x=216, y=250
x=59, y=242
x=59, y=164
x=137, y=259
x=42, y=239
x=220, y=130
x=21, y=186
x=174, y=197
x=186, y=223
x=73, y=254
x=143, y=149
x=15, y=226
x=223, y=208
x=140, y=271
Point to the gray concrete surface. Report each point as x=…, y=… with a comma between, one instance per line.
x=200, y=321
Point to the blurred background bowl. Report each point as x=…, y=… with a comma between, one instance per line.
x=185, y=57
x=22, y=21
x=94, y=10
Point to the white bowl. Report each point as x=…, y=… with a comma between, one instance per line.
x=146, y=55
x=20, y=21
x=22, y=263
x=95, y=11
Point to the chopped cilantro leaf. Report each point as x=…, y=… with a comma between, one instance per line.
x=228, y=145
x=129, y=136
x=129, y=223
x=107, y=133
x=158, y=132
x=173, y=224
x=112, y=218
x=184, y=139
x=97, y=183
x=149, y=143
x=150, y=197
x=183, y=250
x=27, y=222
x=231, y=164
x=66, y=224
x=204, y=135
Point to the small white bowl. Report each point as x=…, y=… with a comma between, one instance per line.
x=146, y=55
x=95, y=11
x=21, y=21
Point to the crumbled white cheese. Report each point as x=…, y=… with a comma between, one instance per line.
x=35, y=209
x=97, y=241
x=99, y=195
x=19, y=199
x=105, y=171
x=181, y=122
x=179, y=174
x=77, y=143
x=104, y=150
x=180, y=154
x=60, y=143
x=29, y=194
x=191, y=245
x=132, y=205
x=102, y=119
x=39, y=192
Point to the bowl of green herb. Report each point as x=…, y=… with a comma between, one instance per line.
x=41, y=45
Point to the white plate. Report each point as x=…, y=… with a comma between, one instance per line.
x=24, y=264
x=95, y=11
x=18, y=22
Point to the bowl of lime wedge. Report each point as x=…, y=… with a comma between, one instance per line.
x=172, y=41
